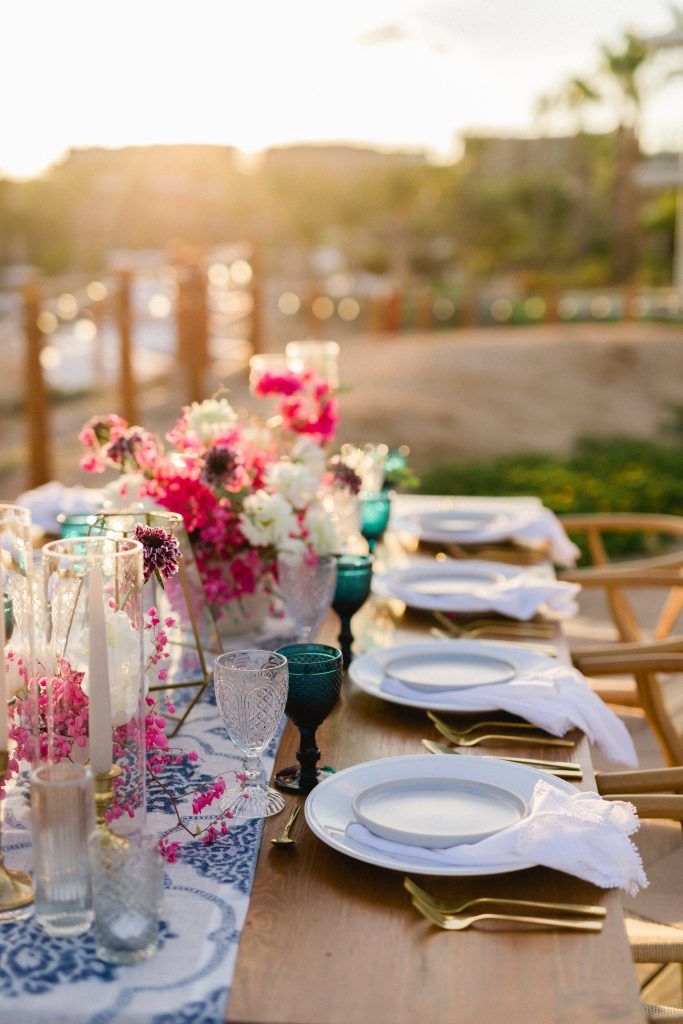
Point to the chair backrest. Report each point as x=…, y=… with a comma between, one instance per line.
x=646, y=669
x=623, y=614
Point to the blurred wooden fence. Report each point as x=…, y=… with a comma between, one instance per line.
x=309, y=308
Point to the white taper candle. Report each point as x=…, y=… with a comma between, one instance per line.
x=99, y=720
x=4, y=725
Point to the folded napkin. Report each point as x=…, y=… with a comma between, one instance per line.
x=542, y=525
x=579, y=833
x=46, y=502
x=556, y=699
x=519, y=597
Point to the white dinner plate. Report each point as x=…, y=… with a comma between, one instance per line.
x=437, y=813
x=430, y=585
x=465, y=524
x=450, y=670
x=329, y=807
x=368, y=670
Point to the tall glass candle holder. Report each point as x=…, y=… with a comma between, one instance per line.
x=95, y=672
x=18, y=685
x=321, y=356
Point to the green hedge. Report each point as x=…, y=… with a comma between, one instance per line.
x=615, y=475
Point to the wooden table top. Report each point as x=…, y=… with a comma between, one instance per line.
x=330, y=940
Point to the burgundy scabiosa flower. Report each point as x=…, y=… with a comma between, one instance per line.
x=345, y=476
x=220, y=465
x=161, y=552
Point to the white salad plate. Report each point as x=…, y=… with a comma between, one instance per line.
x=450, y=670
x=430, y=585
x=329, y=807
x=368, y=670
x=437, y=812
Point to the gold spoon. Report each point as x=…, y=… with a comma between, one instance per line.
x=284, y=839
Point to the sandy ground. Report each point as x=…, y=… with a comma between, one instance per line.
x=449, y=395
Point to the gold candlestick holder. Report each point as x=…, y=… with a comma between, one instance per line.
x=16, y=888
x=104, y=793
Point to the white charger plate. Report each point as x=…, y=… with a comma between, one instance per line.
x=368, y=670
x=329, y=807
x=450, y=670
x=437, y=813
x=430, y=585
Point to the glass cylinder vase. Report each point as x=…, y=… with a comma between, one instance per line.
x=95, y=674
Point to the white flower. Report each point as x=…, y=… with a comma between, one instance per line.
x=294, y=481
x=267, y=519
x=210, y=418
x=126, y=492
x=323, y=531
x=309, y=454
x=123, y=654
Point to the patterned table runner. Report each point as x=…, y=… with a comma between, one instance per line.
x=206, y=897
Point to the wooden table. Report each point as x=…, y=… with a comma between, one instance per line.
x=330, y=940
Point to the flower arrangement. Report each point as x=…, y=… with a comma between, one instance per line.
x=248, y=490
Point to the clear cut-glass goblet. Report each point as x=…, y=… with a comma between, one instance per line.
x=307, y=589
x=251, y=692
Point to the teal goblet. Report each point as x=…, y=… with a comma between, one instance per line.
x=8, y=612
x=375, y=509
x=77, y=524
x=354, y=576
x=315, y=678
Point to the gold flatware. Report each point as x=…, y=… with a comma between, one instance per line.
x=536, y=648
x=538, y=630
x=457, y=923
x=488, y=724
x=569, y=770
x=285, y=839
x=474, y=741
x=484, y=902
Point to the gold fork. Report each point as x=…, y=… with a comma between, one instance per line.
x=569, y=770
x=472, y=741
x=453, y=923
x=488, y=724
x=524, y=645
x=540, y=630
x=486, y=902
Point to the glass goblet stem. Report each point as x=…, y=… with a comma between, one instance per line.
x=345, y=639
x=308, y=756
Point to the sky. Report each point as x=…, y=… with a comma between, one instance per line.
x=408, y=73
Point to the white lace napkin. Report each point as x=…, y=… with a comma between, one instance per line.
x=556, y=699
x=46, y=502
x=519, y=597
x=579, y=833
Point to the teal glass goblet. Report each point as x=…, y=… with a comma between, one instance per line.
x=77, y=524
x=375, y=509
x=315, y=678
x=354, y=576
x=8, y=613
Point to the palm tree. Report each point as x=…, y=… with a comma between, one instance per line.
x=621, y=75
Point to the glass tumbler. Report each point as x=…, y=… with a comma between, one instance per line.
x=251, y=692
x=63, y=811
x=126, y=881
x=307, y=589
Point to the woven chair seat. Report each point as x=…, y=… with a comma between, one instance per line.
x=661, y=847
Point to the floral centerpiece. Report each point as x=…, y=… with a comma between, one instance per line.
x=248, y=490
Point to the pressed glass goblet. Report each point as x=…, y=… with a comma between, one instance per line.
x=375, y=509
x=315, y=678
x=354, y=576
x=251, y=691
x=307, y=590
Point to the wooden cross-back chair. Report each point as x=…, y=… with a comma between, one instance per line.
x=656, y=794
x=602, y=572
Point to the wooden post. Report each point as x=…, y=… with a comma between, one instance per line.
x=469, y=308
x=425, y=309
x=36, y=395
x=127, y=397
x=393, y=312
x=256, y=336
x=197, y=332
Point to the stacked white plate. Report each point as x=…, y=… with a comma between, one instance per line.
x=424, y=801
x=465, y=523
x=431, y=584
x=432, y=668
